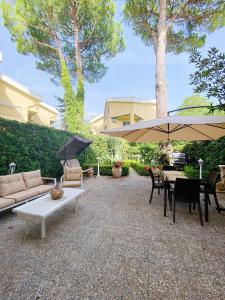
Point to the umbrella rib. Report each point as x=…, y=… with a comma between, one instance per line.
x=179, y=127
x=201, y=133
x=216, y=126
x=130, y=133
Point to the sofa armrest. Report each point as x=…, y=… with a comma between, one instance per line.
x=61, y=180
x=84, y=171
x=50, y=178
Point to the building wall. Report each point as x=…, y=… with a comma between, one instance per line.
x=130, y=111
x=14, y=105
x=97, y=125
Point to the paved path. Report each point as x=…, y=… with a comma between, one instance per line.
x=116, y=246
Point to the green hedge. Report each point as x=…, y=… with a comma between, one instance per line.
x=106, y=170
x=212, y=153
x=31, y=147
x=194, y=173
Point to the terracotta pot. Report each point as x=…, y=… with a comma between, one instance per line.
x=57, y=193
x=116, y=172
x=90, y=173
x=146, y=168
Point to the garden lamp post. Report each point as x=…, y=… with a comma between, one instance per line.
x=200, y=162
x=12, y=167
x=98, y=160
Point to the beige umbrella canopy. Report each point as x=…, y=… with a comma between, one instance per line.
x=185, y=128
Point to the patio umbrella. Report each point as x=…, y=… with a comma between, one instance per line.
x=186, y=128
x=74, y=146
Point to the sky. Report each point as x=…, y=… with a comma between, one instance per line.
x=130, y=73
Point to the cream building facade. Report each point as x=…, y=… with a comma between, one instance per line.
x=20, y=104
x=123, y=111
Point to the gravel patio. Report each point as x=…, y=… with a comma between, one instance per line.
x=116, y=246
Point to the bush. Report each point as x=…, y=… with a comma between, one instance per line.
x=190, y=172
x=106, y=170
x=31, y=147
x=98, y=148
x=212, y=153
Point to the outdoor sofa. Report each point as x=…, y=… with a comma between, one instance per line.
x=16, y=189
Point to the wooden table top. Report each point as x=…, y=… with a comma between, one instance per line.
x=171, y=176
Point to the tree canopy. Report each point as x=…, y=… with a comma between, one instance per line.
x=209, y=77
x=77, y=35
x=172, y=26
x=195, y=101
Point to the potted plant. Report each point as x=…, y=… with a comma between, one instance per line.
x=117, y=169
x=90, y=172
x=146, y=168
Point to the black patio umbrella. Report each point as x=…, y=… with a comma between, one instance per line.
x=74, y=146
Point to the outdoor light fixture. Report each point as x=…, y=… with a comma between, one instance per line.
x=98, y=160
x=12, y=167
x=200, y=162
x=142, y=160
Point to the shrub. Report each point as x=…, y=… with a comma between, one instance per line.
x=106, y=170
x=212, y=153
x=31, y=147
x=190, y=172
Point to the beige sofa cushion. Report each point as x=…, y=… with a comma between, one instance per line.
x=71, y=183
x=32, y=178
x=6, y=202
x=41, y=189
x=10, y=184
x=72, y=173
x=24, y=195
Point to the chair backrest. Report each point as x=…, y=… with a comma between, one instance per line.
x=212, y=178
x=152, y=177
x=70, y=163
x=169, y=168
x=187, y=190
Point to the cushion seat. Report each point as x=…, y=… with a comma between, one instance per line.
x=159, y=185
x=41, y=189
x=23, y=195
x=71, y=183
x=4, y=202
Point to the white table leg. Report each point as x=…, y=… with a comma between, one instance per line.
x=42, y=228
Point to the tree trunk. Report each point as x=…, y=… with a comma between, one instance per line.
x=77, y=46
x=161, y=85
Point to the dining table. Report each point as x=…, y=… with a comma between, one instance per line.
x=170, y=177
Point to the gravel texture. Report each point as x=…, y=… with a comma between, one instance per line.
x=116, y=246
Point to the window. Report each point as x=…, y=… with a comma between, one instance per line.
x=125, y=123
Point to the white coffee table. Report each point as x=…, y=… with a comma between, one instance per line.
x=44, y=206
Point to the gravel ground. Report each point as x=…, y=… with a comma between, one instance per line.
x=116, y=246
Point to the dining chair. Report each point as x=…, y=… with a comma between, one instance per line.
x=168, y=192
x=209, y=187
x=155, y=185
x=188, y=191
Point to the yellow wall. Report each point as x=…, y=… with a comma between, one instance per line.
x=14, y=105
x=129, y=111
x=97, y=125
